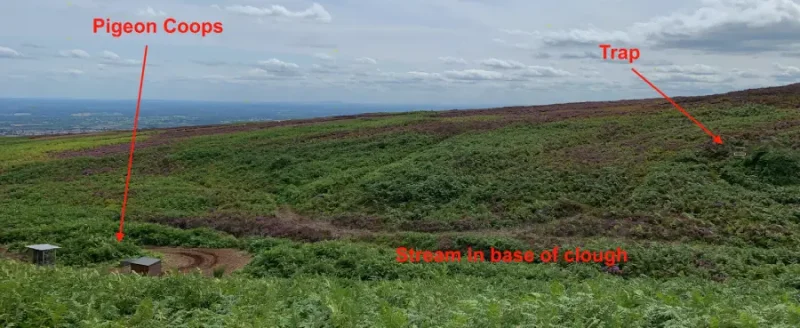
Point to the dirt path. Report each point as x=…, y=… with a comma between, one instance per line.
x=185, y=260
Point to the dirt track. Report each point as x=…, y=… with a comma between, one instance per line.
x=186, y=260
x=182, y=260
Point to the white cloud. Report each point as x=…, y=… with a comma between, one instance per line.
x=514, y=45
x=435, y=79
x=591, y=36
x=501, y=64
x=460, y=32
x=277, y=64
x=689, y=78
x=474, y=75
x=424, y=75
x=728, y=26
x=323, y=56
x=697, y=69
x=703, y=77
x=720, y=26
x=257, y=74
x=525, y=73
x=541, y=55
x=110, y=55
x=315, y=12
x=453, y=60
x=515, y=32
x=151, y=12
x=211, y=63
x=787, y=73
x=366, y=60
x=788, y=69
x=647, y=61
x=215, y=79
x=74, y=53
x=748, y=74
x=697, y=74
x=581, y=55
x=324, y=69
x=585, y=37
x=253, y=76
x=6, y=52
x=73, y=72
x=544, y=71
x=413, y=77
x=111, y=58
x=33, y=45
x=274, y=66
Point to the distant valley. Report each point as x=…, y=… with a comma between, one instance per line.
x=28, y=116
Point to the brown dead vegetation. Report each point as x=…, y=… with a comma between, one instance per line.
x=283, y=224
x=270, y=226
x=169, y=135
x=632, y=227
x=287, y=224
x=776, y=96
x=782, y=96
x=6, y=254
x=578, y=225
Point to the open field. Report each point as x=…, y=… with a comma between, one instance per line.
x=712, y=231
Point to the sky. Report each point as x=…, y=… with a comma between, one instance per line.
x=501, y=52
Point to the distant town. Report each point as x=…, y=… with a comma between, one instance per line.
x=29, y=125
x=30, y=117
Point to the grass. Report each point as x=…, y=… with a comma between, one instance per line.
x=443, y=301
x=713, y=237
x=18, y=151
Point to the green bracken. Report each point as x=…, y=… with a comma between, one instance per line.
x=712, y=231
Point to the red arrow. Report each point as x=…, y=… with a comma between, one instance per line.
x=716, y=138
x=120, y=234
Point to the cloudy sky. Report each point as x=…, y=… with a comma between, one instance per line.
x=399, y=51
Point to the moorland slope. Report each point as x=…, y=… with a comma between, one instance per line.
x=712, y=231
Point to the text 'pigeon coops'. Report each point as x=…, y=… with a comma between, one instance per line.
x=43, y=254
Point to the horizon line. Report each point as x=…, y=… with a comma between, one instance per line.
x=260, y=102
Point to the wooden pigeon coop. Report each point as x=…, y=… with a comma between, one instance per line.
x=43, y=254
x=147, y=266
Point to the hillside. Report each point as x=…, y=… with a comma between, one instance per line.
x=712, y=231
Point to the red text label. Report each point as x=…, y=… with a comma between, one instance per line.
x=554, y=255
x=170, y=26
x=630, y=55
